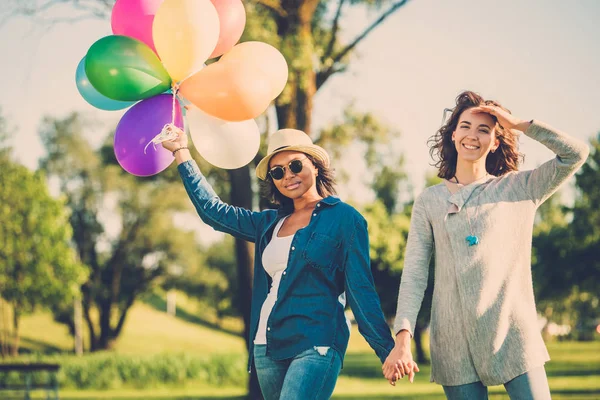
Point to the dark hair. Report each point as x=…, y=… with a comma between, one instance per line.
x=325, y=184
x=506, y=158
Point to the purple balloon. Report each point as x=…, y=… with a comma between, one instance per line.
x=136, y=129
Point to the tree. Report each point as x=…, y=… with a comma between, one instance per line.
x=123, y=226
x=38, y=267
x=211, y=279
x=566, y=248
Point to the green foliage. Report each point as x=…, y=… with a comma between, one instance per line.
x=4, y=145
x=566, y=263
x=212, y=279
x=387, y=239
x=37, y=265
x=123, y=226
x=111, y=371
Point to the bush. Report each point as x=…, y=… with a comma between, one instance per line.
x=110, y=371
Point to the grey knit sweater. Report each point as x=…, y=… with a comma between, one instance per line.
x=483, y=320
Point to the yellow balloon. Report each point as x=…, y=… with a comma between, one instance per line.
x=185, y=32
x=265, y=59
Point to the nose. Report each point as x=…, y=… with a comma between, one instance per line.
x=473, y=134
x=287, y=173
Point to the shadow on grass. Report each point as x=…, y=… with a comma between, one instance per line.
x=362, y=365
x=29, y=345
x=572, y=369
x=160, y=304
x=368, y=366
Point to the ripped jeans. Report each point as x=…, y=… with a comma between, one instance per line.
x=312, y=374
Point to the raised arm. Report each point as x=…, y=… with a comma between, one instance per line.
x=223, y=217
x=543, y=181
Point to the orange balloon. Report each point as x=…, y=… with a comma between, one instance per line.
x=266, y=59
x=229, y=91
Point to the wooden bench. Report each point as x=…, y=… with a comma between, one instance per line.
x=26, y=371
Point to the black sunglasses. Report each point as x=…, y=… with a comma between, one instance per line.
x=278, y=172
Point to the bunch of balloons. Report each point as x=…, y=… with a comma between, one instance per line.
x=155, y=62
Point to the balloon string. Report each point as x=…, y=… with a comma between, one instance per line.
x=170, y=131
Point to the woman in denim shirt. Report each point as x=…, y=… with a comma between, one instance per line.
x=310, y=254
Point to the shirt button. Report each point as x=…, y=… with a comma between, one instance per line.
x=284, y=272
x=269, y=328
x=319, y=205
x=293, y=248
x=315, y=214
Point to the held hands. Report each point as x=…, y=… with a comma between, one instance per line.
x=399, y=362
x=506, y=119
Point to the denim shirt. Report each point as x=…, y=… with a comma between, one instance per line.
x=327, y=257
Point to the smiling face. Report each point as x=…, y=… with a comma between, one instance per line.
x=474, y=136
x=294, y=185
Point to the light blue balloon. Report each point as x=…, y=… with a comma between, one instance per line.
x=92, y=96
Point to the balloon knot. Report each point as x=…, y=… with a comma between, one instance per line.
x=169, y=132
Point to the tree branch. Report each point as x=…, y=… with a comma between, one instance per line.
x=274, y=6
x=334, y=30
x=331, y=69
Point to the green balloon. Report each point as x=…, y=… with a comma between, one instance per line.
x=126, y=69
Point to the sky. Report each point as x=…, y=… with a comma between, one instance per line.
x=539, y=58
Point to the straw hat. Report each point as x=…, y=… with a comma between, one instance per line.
x=290, y=140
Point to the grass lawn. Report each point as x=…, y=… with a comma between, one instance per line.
x=573, y=373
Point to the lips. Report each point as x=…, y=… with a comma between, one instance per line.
x=292, y=186
x=470, y=146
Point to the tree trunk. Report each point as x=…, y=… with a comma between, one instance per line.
x=14, y=351
x=294, y=109
x=4, y=330
x=421, y=358
x=77, y=326
x=241, y=196
x=105, y=340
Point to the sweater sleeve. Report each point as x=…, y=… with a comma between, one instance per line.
x=571, y=153
x=419, y=248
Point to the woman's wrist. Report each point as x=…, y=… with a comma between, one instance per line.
x=182, y=155
x=403, y=338
x=523, y=125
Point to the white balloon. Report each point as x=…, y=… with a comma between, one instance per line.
x=224, y=144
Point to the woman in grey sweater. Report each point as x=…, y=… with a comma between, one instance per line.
x=478, y=222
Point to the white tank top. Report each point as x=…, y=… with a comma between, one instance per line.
x=274, y=260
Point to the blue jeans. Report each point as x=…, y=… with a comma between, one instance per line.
x=309, y=375
x=532, y=385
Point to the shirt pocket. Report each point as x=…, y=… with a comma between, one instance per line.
x=322, y=251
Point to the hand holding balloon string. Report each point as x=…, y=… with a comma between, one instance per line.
x=170, y=131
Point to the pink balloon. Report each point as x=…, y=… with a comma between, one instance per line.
x=232, y=19
x=134, y=18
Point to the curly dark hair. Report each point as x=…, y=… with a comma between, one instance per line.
x=325, y=184
x=506, y=158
